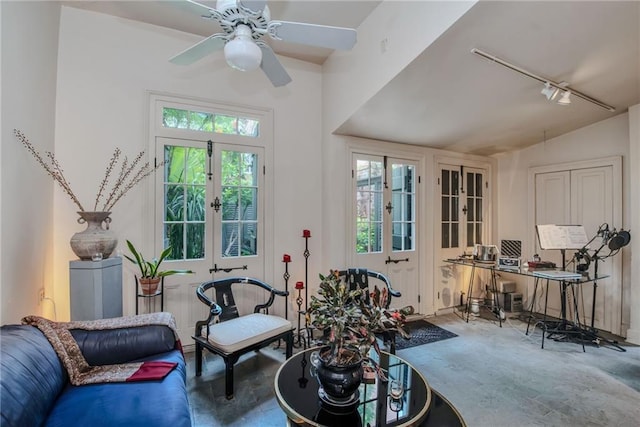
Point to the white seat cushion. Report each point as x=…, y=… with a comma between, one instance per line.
x=236, y=334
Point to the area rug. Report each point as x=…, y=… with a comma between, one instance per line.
x=422, y=332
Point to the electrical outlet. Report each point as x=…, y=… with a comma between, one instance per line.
x=40, y=295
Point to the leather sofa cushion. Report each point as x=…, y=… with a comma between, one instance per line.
x=133, y=404
x=110, y=347
x=32, y=376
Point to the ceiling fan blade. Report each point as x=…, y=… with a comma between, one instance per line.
x=313, y=35
x=200, y=50
x=254, y=6
x=272, y=66
x=195, y=7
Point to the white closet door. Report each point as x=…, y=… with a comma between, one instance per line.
x=553, y=206
x=591, y=206
x=582, y=197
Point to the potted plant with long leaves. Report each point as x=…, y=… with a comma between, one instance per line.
x=349, y=322
x=150, y=273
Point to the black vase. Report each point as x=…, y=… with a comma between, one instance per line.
x=338, y=384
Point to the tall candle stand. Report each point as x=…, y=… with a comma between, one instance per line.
x=300, y=338
x=286, y=258
x=306, y=234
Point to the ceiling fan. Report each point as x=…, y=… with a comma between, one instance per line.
x=244, y=23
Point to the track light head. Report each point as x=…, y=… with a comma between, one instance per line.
x=565, y=98
x=549, y=91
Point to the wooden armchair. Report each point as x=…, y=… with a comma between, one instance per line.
x=235, y=335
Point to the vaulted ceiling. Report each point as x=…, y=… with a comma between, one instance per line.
x=451, y=98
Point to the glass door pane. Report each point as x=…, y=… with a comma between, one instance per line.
x=369, y=203
x=239, y=224
x=403, y=207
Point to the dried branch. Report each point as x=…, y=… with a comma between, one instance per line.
x=128, y=177
x=144, y=171
x=107, y=175
x=125, y=171
x=53, y=169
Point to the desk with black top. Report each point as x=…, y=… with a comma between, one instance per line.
x=297, y=394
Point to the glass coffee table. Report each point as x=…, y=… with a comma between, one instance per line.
x=297, y=394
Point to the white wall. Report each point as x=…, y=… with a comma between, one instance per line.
x=604, y=139
x=352, y=78
x=633, y=334
x=106, y=67
x=29, y=55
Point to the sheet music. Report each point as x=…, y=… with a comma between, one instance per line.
x=557, y=274
x=553, y=236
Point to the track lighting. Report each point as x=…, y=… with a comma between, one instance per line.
x=564, y=99
x=549, y=91
x=551, y=88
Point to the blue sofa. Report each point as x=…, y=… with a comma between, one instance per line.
x=35, y=390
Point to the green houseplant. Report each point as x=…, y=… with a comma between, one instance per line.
x=150, y=273
x=350, y=324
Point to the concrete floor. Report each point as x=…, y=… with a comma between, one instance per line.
x=494, y=376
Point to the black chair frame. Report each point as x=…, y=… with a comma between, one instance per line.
x=375, y=275
x=225, y=308
x=388, y=337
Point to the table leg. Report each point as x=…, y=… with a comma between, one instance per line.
x=533, y=301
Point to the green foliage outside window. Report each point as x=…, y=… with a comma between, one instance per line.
x=239, y=203
x=185, y=188
x=185, y=195
x=208, y=122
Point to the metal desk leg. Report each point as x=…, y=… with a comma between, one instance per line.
x=496, y=299
x=575, y=308
x=533, y=301
x=544, y=318
x=469, y=291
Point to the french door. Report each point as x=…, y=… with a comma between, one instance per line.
x=385, y=212
x=462, y=217
x=210, y=207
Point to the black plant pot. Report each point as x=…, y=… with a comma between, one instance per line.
x=338, y=384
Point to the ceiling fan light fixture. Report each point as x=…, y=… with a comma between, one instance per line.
x=565, y=99
x=242, y=53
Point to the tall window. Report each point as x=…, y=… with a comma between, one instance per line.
x=184, y=201
x=403, y=203
x=450, y=205
x=474, y=206
x=369, y=196
x=239, y=203
x=196, y=172
x=462, y=206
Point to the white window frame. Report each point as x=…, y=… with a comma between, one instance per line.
x=156, y=102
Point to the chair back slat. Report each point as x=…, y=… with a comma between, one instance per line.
x=224, y=298
x=360, y=277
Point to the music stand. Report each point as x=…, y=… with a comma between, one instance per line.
x=563, y=237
